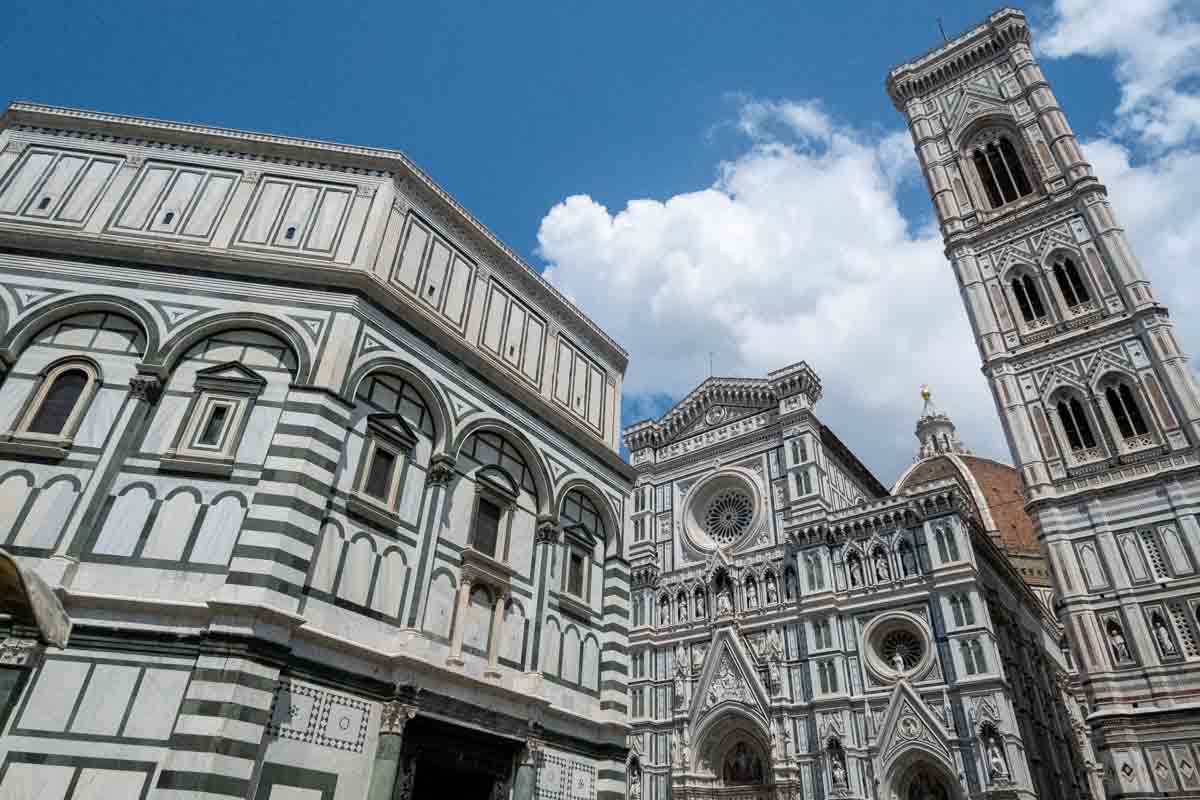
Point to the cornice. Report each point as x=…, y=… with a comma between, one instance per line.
x=762, y=393
x=305, y=152
x=942, y=64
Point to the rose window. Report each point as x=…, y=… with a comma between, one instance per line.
x=904, y=645
x=728, y=516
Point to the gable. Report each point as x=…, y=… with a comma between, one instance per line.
x=729, y=676
x=911, y=723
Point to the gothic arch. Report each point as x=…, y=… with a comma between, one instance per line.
x=915, y=761
x=174, y=349
x=533, y=459
x=714, y=733
x=434, y=401
x=17, y=339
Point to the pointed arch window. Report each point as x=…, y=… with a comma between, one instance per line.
x=946, y=544
x=1000, y=170
x=1125, y=410
x=1029, y=299
x=1070, y=283
x=1075, y=424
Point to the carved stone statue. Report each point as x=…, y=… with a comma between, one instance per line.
x=898, y=662
x=772, y=591
x=1164, y=637
x=882, y=573
x=683, y=610
x=701, y=609
x=681, y=673
x=751, y=594
x=774, y=645
x=635, y=780
x=908, y=561
x=856, y=573
x=839, y=770
x=996, y=765
x=790, y=585
x=681, y=660
x=725, y=603
x=1117, y=641
x=664, y=613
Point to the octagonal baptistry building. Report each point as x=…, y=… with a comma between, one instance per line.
x=800, y=631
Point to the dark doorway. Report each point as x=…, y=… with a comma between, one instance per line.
x=449, y=761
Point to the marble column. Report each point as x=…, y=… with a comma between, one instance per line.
x=455, y=659
x=394, y=717
x=525, y=783
x=493, y=664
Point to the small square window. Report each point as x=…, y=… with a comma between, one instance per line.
x=487, y=527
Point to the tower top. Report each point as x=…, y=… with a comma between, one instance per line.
x=1003, y=28
x=935, y=430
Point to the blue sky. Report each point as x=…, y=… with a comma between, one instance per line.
x=693, y=108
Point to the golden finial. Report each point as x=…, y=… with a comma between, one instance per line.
x=925, y=393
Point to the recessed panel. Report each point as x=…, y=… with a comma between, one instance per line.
x=87, y=190
x=514, y=339
x=493, y=324
x=535, y=334
x=208, y=206
x=435, y=274
x=265, y=211
x=409, y=267
x=328, y=220
x=28, y=175
x=145, y=197
x=457, y=286
x=55, y=187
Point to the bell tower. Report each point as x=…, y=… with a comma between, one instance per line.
x=1099, y=406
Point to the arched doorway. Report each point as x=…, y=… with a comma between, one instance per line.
x=924, y=779
x=731, y=759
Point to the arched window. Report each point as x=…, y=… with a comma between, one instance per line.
x=947, y=546
x=57, y=405
x=1075, y=424
x=1125, y=410
x=1070, y=283
x=1029, y=300
x=1000, y=170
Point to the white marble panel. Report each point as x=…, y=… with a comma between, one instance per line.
x=44, y=523
x=172, y=527
x=219, y=532
x=100, y=418
x=125, y=521
x=440, y=608
x=14, y=493
x=54, y=694
x=158, y=697
x=37, y=782
x=108, y=784
x=104, y=703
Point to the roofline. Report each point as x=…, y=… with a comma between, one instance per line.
x=849, y=459
x=368, y=158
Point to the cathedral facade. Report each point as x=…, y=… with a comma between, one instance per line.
x=309, y=487
x=800, y=632
x=1098, y=402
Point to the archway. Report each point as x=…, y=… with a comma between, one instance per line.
x=732, y=758
x=921, y=778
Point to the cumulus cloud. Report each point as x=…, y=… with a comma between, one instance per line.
x=797, y=251
x=1156, y=44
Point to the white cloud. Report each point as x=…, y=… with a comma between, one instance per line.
x=797, y=251
x=1156, y=44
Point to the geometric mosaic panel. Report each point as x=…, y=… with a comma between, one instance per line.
x=311, y=715
x=560, y=778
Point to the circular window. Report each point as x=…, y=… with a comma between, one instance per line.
x=728, y=516
x=901, y=648
x=897, y=646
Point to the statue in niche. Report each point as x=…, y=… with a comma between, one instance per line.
x=772, y=590
x=789, y=584
x=1163, y=636
x=701, y=607
x=635, y=780
x=751, y=594
x=1116, y=639
x=742, y=767
x=907, y=561
x=882, y=573
x=683, y=608
x=681, y=674
x=898, y=662
x=837, y=765
x=856, y=572
x=664, y=612
x=996, y=765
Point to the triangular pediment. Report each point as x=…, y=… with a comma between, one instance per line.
x=232, y=376
x=911, y=723
x=729, y=677
x=975, y=104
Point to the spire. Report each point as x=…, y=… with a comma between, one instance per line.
x=935, y=431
